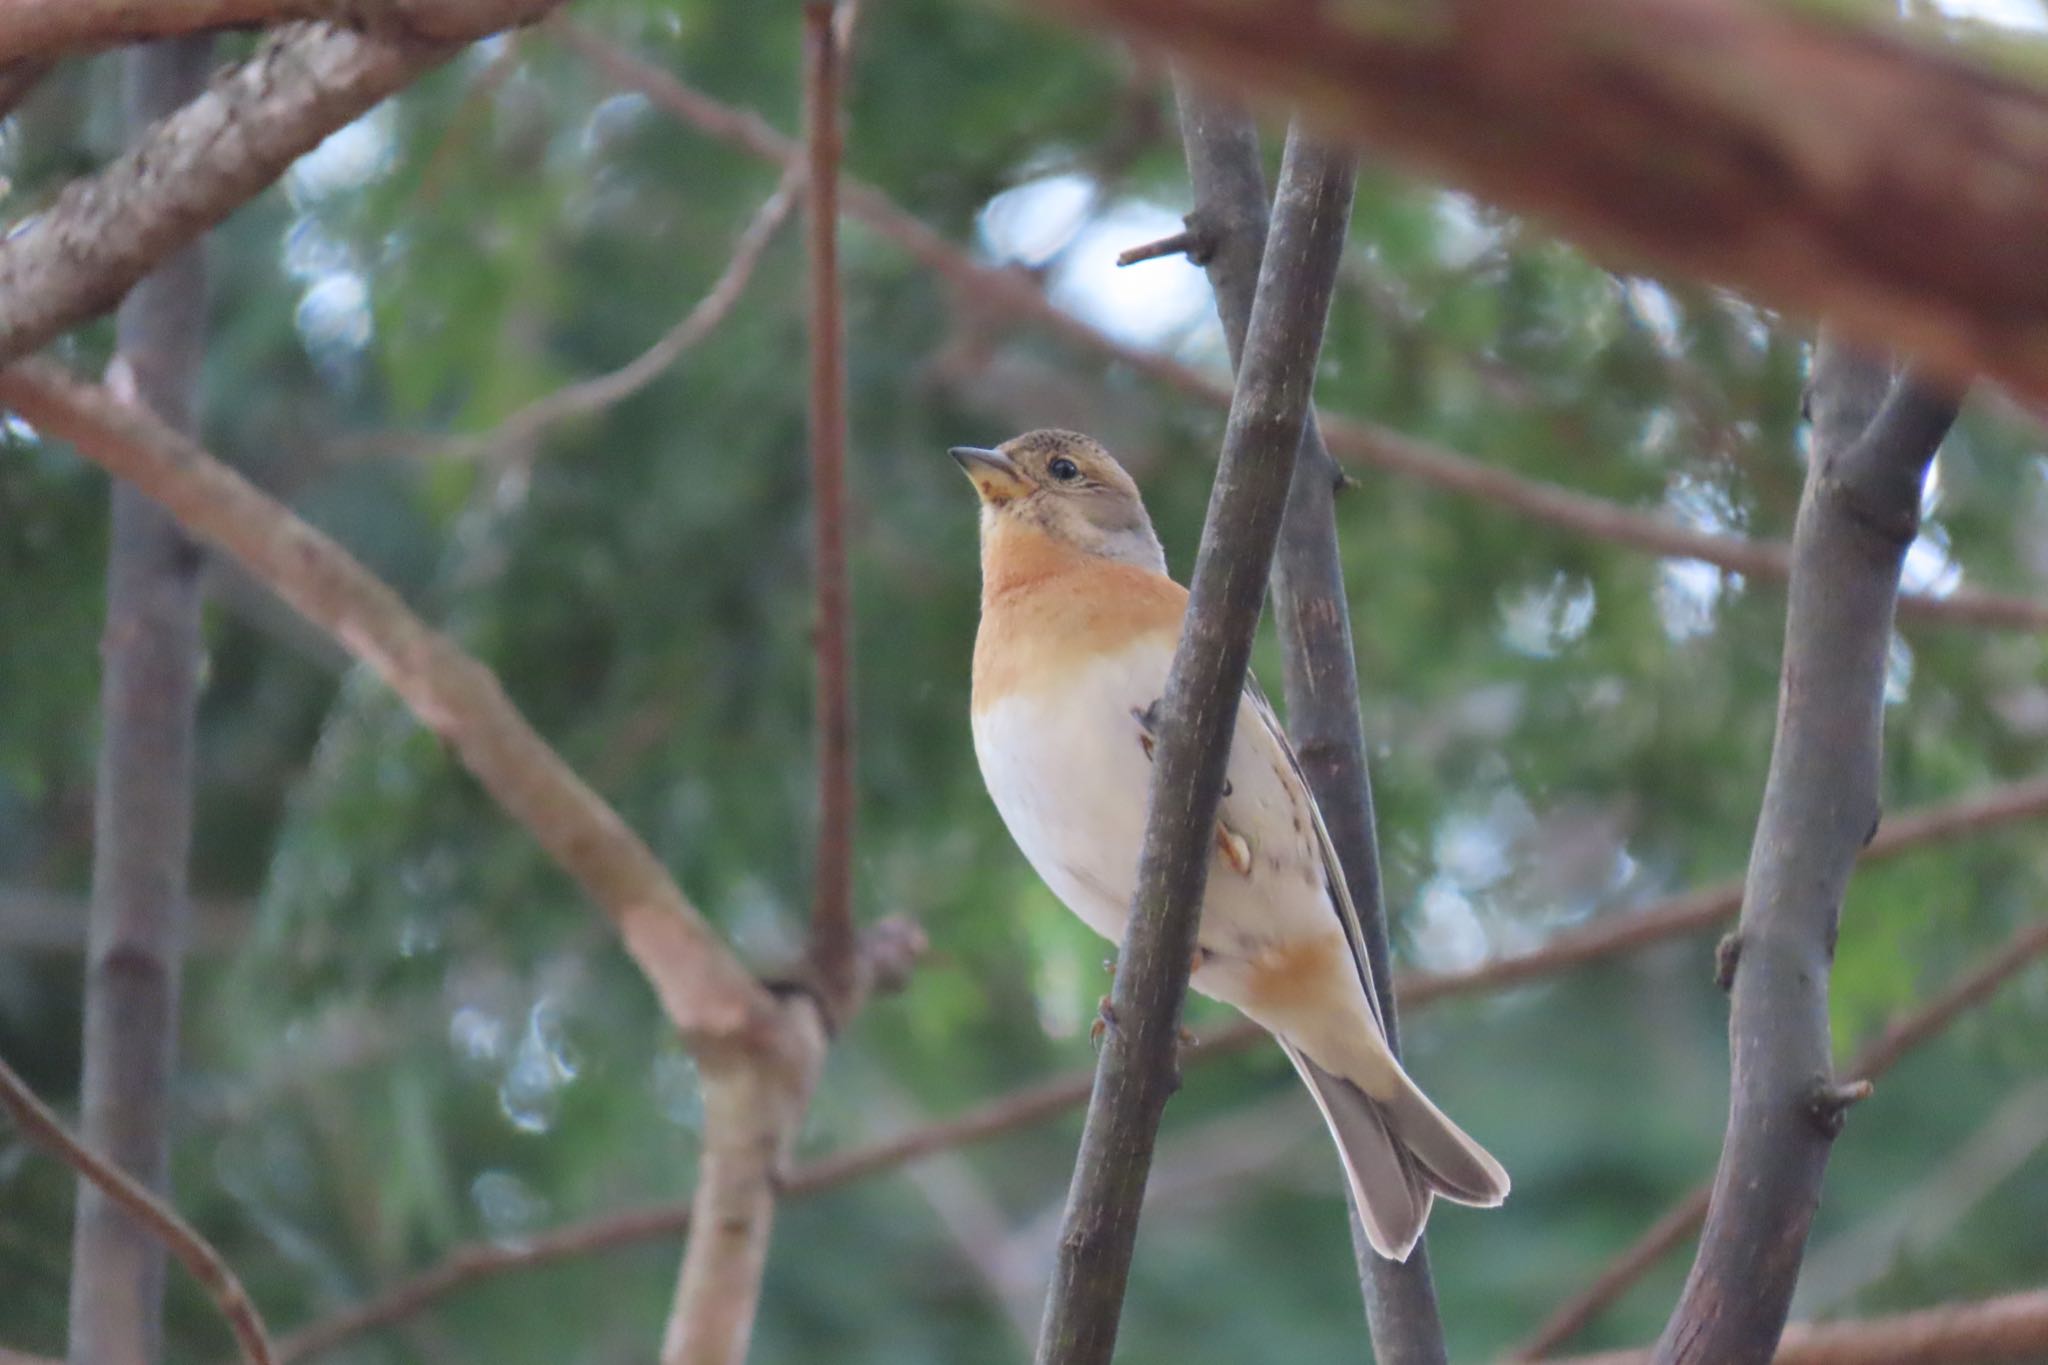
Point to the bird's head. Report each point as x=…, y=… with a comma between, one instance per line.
x=1066, y=486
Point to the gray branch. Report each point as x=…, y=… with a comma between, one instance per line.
x=1874, y=438
x=142, y=824
x=1138, y=1070
x=1319, y=671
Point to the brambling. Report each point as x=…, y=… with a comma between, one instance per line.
x=1079, y=621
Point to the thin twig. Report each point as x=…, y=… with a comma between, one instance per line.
x=1905, y=1033
x=709, y=996
x=523, y=428
x=1873, y=441
x=1040, y=1101
x=2012, y=1329
x=1017, y=295
x=193, y=1251
x=1138, y=1071
x=831, y=949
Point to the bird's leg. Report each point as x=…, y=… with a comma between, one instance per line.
x=1148, y=719
x=1105, y=1020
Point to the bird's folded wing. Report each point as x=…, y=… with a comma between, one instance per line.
x=1270, y=733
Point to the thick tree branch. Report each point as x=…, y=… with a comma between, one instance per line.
x=46, y=29
x=1820, y=806
x=2013, y=1328
x=1905, y=1033
x=1825, y=165
x=1319, y=671
x=708, y=995
x=1608, y=937
x=1138, y=1070
x=43, y=1128
x=832, y=930
x=104, y=232
x=142, y=818
x=1015, y=295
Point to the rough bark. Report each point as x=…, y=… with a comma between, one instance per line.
x=1013, y=294
x=142, y=818
x=1872, y=443
x=201, y=162
x=1138, y=1069
x=1319, y=671
x=1822, y=164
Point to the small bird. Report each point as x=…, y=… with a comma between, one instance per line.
x=1078, y=626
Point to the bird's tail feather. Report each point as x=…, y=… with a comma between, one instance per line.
x=1398, y=1154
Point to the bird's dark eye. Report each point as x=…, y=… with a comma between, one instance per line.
x=1064, y=469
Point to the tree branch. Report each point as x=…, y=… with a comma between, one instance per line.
x=832, y=928
x=1014, y=294
x=142, y=817
x=1820, y=806
x=708, y=995
x=106, y=231
x=526, y=424
x=1319, y=671
x=1880, y=1055
x=42, y=1127
x=2012, y=1328
x=1138, y=1072
x=1743, y=143
x=1608, y=937
x=47, y=29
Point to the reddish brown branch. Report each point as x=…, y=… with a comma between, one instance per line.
x=832, y=932
x=1877, y=1057
x=1015, y=295
x=708, y=995
x=2013, y=1328
x=1613, y=936
x=1823, y=164
x=43, y=1128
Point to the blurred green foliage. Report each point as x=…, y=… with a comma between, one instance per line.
x=403, y=1032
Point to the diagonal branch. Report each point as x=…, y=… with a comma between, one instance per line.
x=43, y=1128
x=582, y=397
x=1014, y=294
x=1738, y=141
x=1612, y=936
x=46, y=29
x=106, y=231
x=1820, y=807
x=708, y=995
x=1138, y=1072
x=1905, y=1033
x=1319, y=670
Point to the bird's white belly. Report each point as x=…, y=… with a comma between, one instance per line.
x=1069, y=776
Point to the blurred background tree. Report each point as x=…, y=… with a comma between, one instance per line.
x=401, y=1034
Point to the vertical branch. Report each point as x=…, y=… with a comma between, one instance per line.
x=1319, y=672
x=832, y=935
x=143, y=815
x=1873, y=440
x=1137, y=1072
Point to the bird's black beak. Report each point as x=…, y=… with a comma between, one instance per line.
x=996, y=477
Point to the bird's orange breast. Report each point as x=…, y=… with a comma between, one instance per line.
x=1048, y=608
